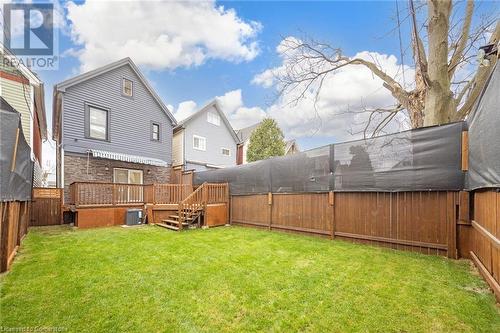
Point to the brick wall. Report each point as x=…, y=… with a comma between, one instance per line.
x=101, y=170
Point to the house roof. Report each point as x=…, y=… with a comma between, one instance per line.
x=62, y=86
x=289, y=144
x=37, y=84
x=215, y=104
x=245, y=133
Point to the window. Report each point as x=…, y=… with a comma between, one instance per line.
x=127, y=176
x=127, y=88
x=98, y=123
x=155, y=132
x=226, y=152
x=199, y=142
x=213, y=118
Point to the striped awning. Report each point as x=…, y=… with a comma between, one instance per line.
x=127, y=158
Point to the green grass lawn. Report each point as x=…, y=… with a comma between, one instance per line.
x=235, y=279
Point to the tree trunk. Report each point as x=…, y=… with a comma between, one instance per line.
x=439, y=102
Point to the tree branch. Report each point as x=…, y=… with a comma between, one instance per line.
x=459, y=47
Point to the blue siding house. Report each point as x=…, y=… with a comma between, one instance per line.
x=111, y=126
x=205, y=140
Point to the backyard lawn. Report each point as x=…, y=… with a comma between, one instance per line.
x=235, y=279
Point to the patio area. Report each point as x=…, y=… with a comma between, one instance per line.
x=235, y=279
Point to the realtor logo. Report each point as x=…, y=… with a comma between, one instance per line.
x=28, y=31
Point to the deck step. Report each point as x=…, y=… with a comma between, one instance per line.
x=177, y=217
x=168, y=226
x=173, y=222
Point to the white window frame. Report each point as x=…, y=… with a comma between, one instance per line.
x=153, y=125
x=222, y=151
x=124, y=80
x=129, y=171
x=215, y=120
x=200, y=138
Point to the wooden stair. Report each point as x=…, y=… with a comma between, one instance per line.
x=187, y=219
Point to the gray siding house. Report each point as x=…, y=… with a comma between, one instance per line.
x=111, y=126
x=205, y=140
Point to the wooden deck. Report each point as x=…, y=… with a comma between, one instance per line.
x=105, y=204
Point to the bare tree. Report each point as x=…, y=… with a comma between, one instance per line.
x=440, y=48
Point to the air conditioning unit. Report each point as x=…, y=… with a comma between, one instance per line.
x=134, y=217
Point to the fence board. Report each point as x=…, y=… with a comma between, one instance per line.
x=13, y=227
x=46, y=206
x=485, y=236
x=412, y=221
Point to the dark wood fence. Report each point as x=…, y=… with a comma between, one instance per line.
x=14, y=217
x=46, y=206
x=482, y=236
x=414, y=221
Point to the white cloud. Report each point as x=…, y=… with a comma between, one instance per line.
x=160, y=35
x=350, y=89
x=184, y=110
x=239, y=115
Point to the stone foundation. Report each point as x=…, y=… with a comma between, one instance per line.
x=76, y=169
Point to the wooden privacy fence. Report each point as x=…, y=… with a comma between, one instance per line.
x=415, y=221
x=46, y=206
x=14, y=217
x=481, y=235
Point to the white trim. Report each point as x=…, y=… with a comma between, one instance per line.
x=222, y=151
x=200, y=138
x=32, y=119
x=124, y=80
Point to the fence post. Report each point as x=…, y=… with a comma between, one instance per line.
x=270, y=203
x=4, y=235
x=331, y=202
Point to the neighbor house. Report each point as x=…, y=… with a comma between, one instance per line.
x=205, y=140
x=21, y=89
x=111, y=126
x=244, y=134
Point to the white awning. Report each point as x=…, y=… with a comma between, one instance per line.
x=127, y=158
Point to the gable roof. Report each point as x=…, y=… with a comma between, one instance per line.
x=215, y=104
x=245, y=133
x=38, y=89
x=25, y=71
x=62, y=86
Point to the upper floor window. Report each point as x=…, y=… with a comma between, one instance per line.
x=127, y=88
x=155, y=132
x=98, y=123
x=213, y=118
x=226, y=152
x=199, y=142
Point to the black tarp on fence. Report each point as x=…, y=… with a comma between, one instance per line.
x=484, y=137
x=416, y=160
x=16, y=177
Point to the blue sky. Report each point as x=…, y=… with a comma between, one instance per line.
x=354, y=26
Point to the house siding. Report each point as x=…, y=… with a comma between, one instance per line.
x=130, y=118
x=178, y=148
x=14, y=93
x=217, y=137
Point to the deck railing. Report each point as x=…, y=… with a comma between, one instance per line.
x=170, y=193
x=113, y=194
x=203, y=195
